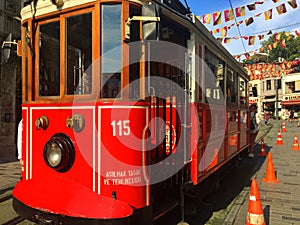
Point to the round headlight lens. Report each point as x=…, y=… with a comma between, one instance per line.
x=59, y=152
x=53, y=154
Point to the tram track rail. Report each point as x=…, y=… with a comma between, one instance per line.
x=6, y=195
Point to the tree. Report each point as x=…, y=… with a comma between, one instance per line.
x=287, y=46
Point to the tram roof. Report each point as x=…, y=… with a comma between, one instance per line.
x=172, y=7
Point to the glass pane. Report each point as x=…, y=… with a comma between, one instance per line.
x=79, y=54
x=243, y=92
x=231, y=86
x=214, y=77
x=49, y=81
x=111, y=50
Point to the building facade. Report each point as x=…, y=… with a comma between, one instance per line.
x=291, y=95
x=10, y=77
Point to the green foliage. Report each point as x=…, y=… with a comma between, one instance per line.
x=290, y=52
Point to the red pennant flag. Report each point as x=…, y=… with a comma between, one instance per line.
x=220, y=40
x=259, y=3
x=275, y=1
x=257, y=15
x=268, y=14
x=206, y=18
x=217, y=18
x=293, y=3
x=227, y=40
x=228, y=14
x=270, y=47
x=248, y=21
x=245, y=37
x=277, y=37
x=239, y=23
x=261, y=37
x=251, y=7
x=296, y=33
x=224, y=31
x=261, y=49
x=281, y=9
x=282, y=42
x=247, y=55
x=240, y=11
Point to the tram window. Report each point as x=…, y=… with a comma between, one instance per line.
x=242, y=91
x=134, y=51
x=111, y=51
x=214, y=77
x=79, y=54
x=49, y=59
x=231, y=86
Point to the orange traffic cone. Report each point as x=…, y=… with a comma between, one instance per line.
x=270, y=172
x=296, y=144
x=279, y=139
x=262, y=148
x=255, y=215
x=283, y=128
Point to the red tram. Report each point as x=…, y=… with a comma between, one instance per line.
x=125, y=104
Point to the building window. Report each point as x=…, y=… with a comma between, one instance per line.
x=268, y=84
x=277, y=83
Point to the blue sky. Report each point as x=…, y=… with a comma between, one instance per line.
x=259, y=26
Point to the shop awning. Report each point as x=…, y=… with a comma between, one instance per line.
x=290, y=102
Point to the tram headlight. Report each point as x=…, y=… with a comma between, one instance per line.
x=53, y=153
x=59, y=153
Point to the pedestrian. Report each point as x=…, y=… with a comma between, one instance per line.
x=291, y=115
x=19, y=140
x=253, y=129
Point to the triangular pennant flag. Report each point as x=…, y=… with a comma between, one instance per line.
x=281, y=9
x=227, y=40
x=275, y=1
x=261, y=37
x=220, y=40
x=270, y=32
x=270, y=47
x=268, y=14
x=206, y=18
x=257, y=15
x=228, y=14
x=240, y=11
x=296, y=33
x=282, y=42
x=239, y=23
x=245, y=37
x=248, y=21
x=261, y=49
x=251, y=7
x=259, y=3
x=217, y=18
x=293, y=3
x=275, y=45
x=224, y=31
x=277, y=37
x=247, y=55
x=216, y=30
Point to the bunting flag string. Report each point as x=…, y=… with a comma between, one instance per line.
x=260, y=71
x=261, y=37
x=268, y=15
x=251, y=40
